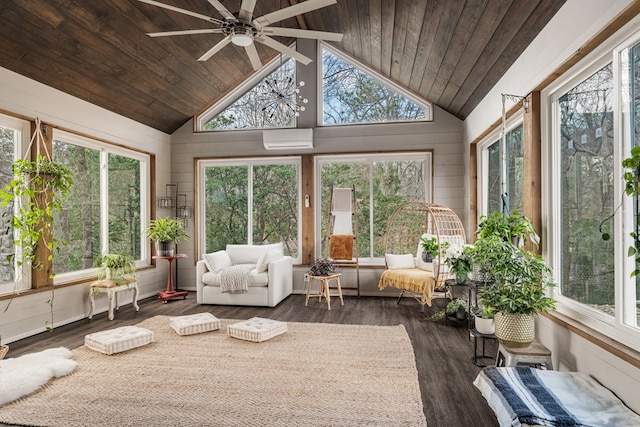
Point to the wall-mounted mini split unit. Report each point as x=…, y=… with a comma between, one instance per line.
x=287, y=139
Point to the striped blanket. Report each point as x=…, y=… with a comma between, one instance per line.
x=523, y=395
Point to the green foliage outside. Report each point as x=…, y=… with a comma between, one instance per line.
x=274, y=206
x=79, y=222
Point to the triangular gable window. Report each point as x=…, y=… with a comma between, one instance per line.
x=259, y=107
x=352, y=93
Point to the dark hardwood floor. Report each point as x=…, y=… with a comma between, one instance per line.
x=443, y=352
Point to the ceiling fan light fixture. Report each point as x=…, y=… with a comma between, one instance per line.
x=242, y=37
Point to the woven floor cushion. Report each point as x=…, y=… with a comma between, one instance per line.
x=194, y=323
x=257, y=329
x=119, y=339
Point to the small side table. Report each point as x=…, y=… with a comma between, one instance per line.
x=112, y=293
x=535, y=353
x=484, y=337
x=324, y=290
x=171, y=293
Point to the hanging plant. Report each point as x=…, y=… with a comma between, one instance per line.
x=39, y=187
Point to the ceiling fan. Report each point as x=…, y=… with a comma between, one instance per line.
x=242, y=30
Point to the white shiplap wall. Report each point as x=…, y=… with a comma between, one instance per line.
x=27, y=315
x=443, y=136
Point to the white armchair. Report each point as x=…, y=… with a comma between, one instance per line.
x=269, y=281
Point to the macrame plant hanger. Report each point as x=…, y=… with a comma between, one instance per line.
x=38, y=138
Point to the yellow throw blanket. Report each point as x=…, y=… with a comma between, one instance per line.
x=341, y=246
x=410, y=279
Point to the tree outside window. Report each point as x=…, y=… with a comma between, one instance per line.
x=586, y=173
x=253, y=196
x=350, y=96
x=382, y=183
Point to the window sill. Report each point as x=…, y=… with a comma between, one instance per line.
x=597, y=338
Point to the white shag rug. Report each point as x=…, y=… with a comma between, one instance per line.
x=23, y=375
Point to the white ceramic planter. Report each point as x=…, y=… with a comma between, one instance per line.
x=485, y=326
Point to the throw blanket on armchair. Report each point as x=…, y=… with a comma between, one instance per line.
x=235, y=279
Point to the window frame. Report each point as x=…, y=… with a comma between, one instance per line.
x=202, y=164
x=551, y=203
x=145, y=209
x=482, y=161
x=368, y=157
x=428, y=106
x=22, y=277
x=237, y=92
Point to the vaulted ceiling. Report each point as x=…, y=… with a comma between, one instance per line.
x=451, y=52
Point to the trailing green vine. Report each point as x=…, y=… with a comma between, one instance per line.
x=39, y=188
x=631, y=178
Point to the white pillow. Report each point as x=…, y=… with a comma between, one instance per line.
x=263, y=262
x=217, y=261
x=400, y=261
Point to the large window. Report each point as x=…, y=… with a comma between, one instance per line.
x=585, y=115
x=353, y=94
x=250, y=201
x=492, y=196
x=105, y=212
x=593, y=122
x=14, y=138
x=267, y=100
x=382, y=182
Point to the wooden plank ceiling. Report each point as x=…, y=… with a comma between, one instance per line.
x=451, y=52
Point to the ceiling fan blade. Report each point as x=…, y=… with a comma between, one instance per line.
x=221, y=9
x=252, y=53
x=284, y=49
x=184, y=11
x=304, y=34
x=246, y=9
x=222, y=43
x=185, y=32
x=288, y=12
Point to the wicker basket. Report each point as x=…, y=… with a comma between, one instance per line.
x=3, y=351
x=514, y=329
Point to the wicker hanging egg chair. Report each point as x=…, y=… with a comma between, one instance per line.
x=405, y=227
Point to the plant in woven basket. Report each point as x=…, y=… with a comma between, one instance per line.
x=518, y=292
x=322, y=267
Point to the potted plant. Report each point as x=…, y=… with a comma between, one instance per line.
x=118, y=268
x=322, y=267
x=515, y=228
x=483, y=319
x=39, y=187
x=459, y=260
x=518, y=292
x=165, y=232
x=458, y=307
x=429, y=245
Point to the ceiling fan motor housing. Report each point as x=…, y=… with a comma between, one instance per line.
x=242, y=33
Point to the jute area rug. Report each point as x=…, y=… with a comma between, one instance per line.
x=314, y=375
